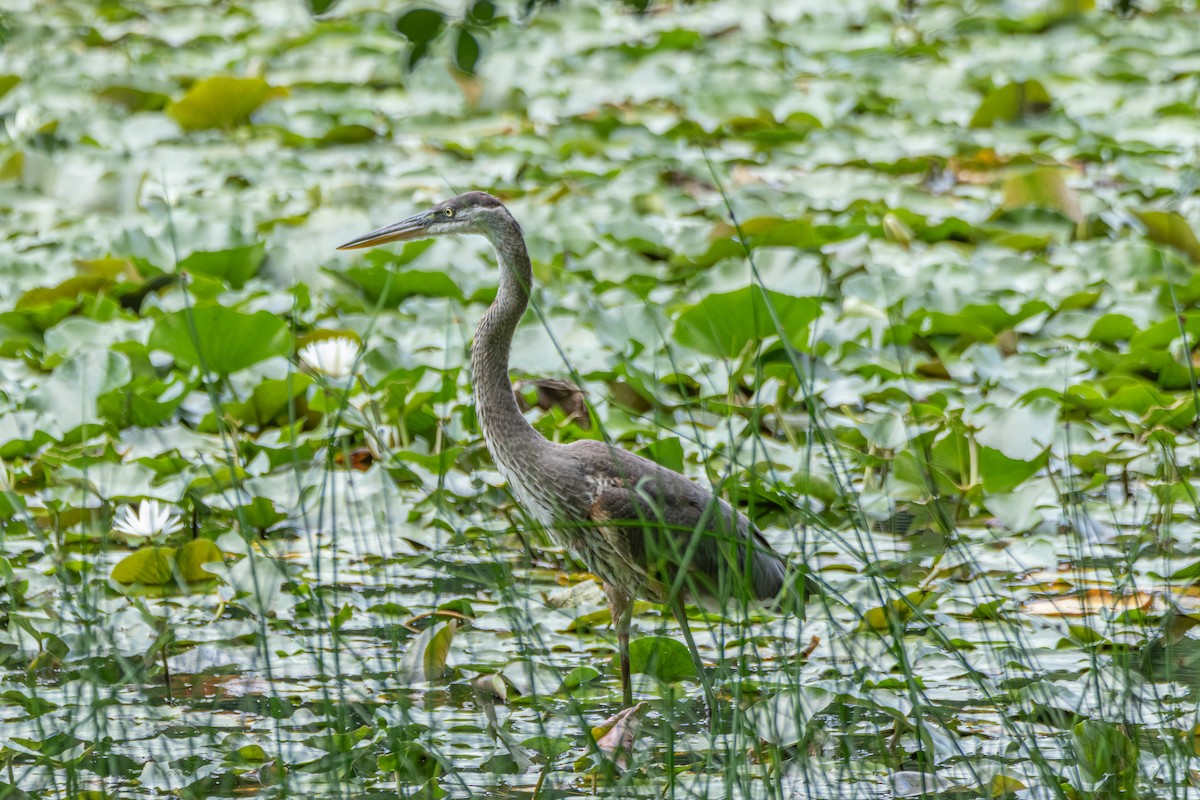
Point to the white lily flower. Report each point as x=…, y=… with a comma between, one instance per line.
x=150, y=519
x=334, y=357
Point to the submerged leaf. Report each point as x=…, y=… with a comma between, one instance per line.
x=783, y=719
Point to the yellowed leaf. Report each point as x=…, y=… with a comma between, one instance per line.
x=1167, y=227
x=1043, y=187
x=221, y=101
x=1093, y=601
x=616, y=735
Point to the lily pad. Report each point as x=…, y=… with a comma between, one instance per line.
x=1168, y=228
x=219, y=339
x=726, y=324
x=236, y=265
x=150, y=566
x=220, y=102
x=784, y=718
x=192, y=557
x=1010, y=103
x=665, y=658
x=425, y=657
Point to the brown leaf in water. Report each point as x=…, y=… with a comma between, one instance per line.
x=1092, y=601
x=616, y=735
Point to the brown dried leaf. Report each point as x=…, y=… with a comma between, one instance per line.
x=616, y=735
x=1092, y=601
x=556, y=393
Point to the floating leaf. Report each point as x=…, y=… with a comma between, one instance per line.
x=389, y=288
x=667, y=452
x=69, y=396
x=725, y=325
x=46, y=306
x=425, y=657
x=466, y=51
x=1010, y=103
x=1172, y=230
x=134, y=98
x=236, y=265
x=220, y=102
x=482, y=12
x=1022, y=432
x=7, y=82
x=579, y=676
x=896, y=613
x=150, y=566
x=221, y=340
x=192, y=557
x=783, y=718
x=1043, y=187
x=1103, y=749
x=662, y=657
x=420, y=26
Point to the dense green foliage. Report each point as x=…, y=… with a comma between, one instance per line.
x=913, y=284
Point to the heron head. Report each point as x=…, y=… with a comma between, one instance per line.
x=473, y=212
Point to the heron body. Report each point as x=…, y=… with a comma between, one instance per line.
x=644, y=530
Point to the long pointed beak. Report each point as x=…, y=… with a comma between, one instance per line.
x=403, y=231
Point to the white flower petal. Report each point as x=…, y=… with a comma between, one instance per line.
x=334, y=357
x=150, y=519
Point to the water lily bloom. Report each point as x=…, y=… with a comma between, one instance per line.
x=150, y=519
x=334, y=357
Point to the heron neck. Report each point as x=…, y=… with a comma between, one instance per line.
x=500, y=418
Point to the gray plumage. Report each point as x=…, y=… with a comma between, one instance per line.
x=644, y=530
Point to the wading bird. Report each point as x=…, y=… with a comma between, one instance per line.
x=644, y=530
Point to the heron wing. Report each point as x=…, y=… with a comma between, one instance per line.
x=660, y=523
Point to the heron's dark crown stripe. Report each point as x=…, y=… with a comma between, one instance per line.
x=471, y=200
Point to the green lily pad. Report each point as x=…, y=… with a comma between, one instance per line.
x=7, y=82
x=1043, y=187
x=386, y=287
x=725, y=325
x=1172, y=230
x=1102, y=748
x=220, y=102
x=192, y=557
x=150, y=566
x=221, y=340
x=665, y=658
x=425, y=657
x=236, y=265
x=1010, y=103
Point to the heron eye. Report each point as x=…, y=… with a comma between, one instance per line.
x=449, y=212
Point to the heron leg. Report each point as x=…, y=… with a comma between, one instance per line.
x=620, y=605
x=710, y=698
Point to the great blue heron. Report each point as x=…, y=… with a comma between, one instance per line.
x=645, y=530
